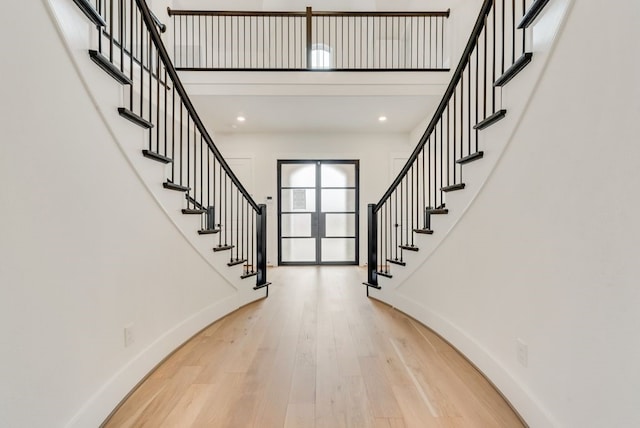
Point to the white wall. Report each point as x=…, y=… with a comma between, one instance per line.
x=85, y=248
x=375, y=152
x=547, y=252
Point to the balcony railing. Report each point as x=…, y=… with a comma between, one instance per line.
x=337, y=41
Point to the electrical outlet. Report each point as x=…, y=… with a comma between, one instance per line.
x=522, y=353
x=128, y=335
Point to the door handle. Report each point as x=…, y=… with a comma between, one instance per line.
x=322, y=227
x=314, y=225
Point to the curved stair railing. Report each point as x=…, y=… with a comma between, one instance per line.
x=130, y=50
x=495, y=53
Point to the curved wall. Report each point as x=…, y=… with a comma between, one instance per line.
x=547, y=252
x=85, y=248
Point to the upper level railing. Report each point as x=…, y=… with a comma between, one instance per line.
x=495, y=52
x=227, y=40
x=131, y=50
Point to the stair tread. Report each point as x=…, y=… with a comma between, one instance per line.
x=397, y=262
x=495, y=117
x=156, y=156
x=512, y=71
x=172, y=186
x=438, y=211
x=470, y=158
x=453, y=187
x=266, y=284
x=208, y=231
x=104, y=63
x=376, y=286
x=408, y=247
x=222, y=248
x=248, y=275
x=385, y=274
x=132, y=117
x=192, y=211
x=423, y=231
x=236, y=262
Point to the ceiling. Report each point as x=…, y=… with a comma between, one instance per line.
x=327, y=102
x=297, y=114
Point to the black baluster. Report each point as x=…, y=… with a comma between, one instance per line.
x=202, y=169
x=461, y=115
x=403, y=222
x=513, y=31
x=477, y=96
x=166, y=120
x=450, y=143
x=493, y=88
x=180, y=154
x=150, y=69
x=503, y=37
x=142, y=69
x=173, y=134
x=121, y=32
x=226, y=208
x=131, y=39
x=484, y=74
x=524, y=30
x=157, y=101
x=220, y=213
x=470, y=125
x=111, y=31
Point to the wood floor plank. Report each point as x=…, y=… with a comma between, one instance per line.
x=316, y=353
x=379, y=389
x=300, y=415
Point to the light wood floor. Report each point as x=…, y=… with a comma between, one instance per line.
x=316, y=353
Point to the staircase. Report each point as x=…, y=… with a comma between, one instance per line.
x=404, y=218
x=130, y=50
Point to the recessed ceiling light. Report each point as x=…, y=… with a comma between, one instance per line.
x=382, y=119
x=241, y=118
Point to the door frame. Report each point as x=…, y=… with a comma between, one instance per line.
x=319, y=262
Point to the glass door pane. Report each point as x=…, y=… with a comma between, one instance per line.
x=298, y=250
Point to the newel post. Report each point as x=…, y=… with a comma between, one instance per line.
x=309, y=37
x=372, y=248
x=261, y=248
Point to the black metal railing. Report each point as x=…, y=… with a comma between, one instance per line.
x=495, y=52
x=131, y=50
x=231, y=40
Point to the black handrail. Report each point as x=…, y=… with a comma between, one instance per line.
x=178, y=12
x=455, y=79
x=184, y=12
x=164, y=56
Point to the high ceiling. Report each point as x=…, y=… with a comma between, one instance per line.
x=314, y=102
x=284, y=114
